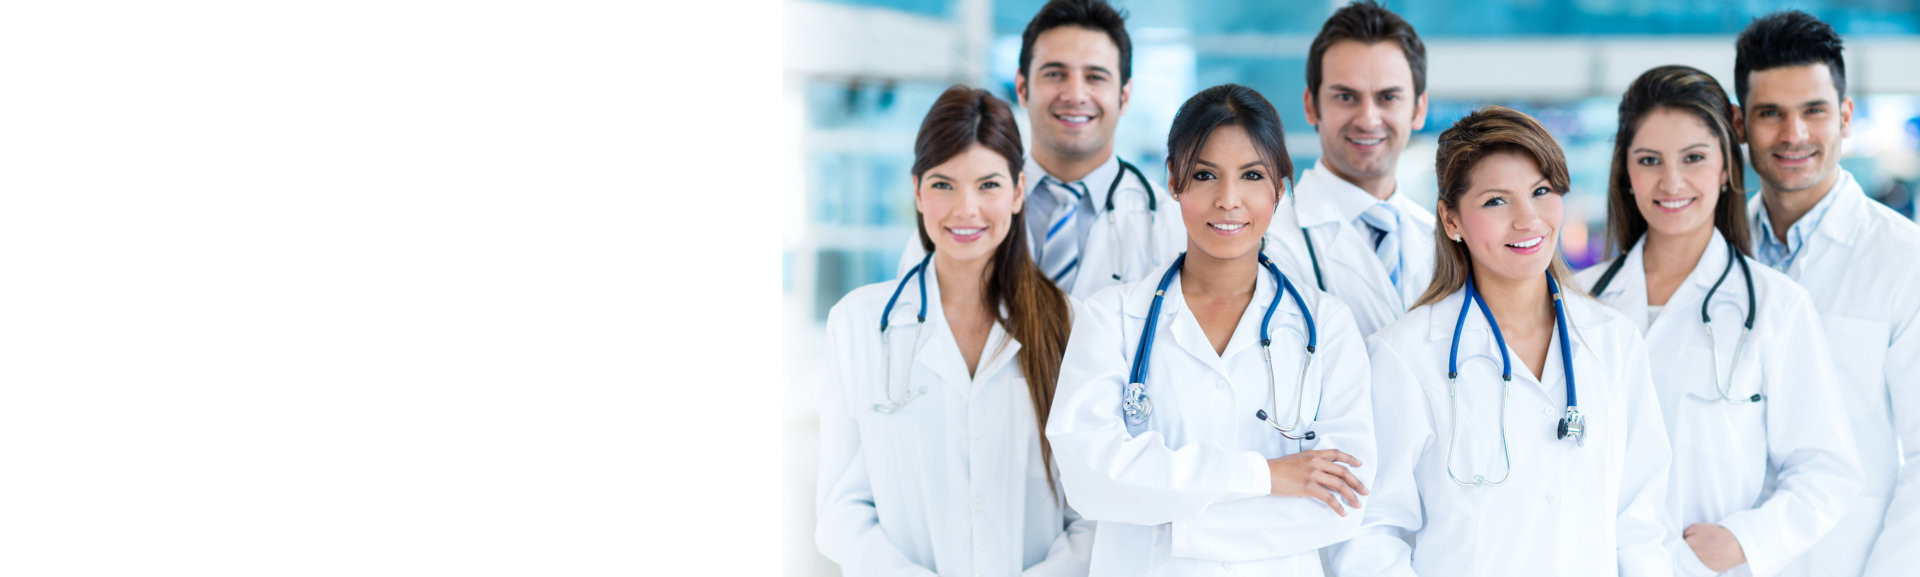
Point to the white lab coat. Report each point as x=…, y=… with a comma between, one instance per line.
x=1727, y=455
x=1347, y=261
x=952, y=483
x=1566, y=510
x=1123, y=245
x=1862, y=269
x=1189, y=495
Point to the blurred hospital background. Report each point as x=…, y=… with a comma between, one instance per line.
x=859, y=75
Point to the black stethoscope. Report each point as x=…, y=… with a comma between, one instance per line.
x=1152, y=207
x=1136, y=406
x=1724, y=388
x=1571, y=425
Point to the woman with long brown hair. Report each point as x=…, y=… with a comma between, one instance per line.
x=1739, y=358
x=1519, y=434
x=1223, y=418
x=931, y=457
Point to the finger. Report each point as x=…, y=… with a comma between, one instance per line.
x=1333, y=502
x=1335, y=483
x=1339, y=456
x=1351, y=480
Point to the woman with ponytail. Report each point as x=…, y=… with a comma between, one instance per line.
x=931, y=458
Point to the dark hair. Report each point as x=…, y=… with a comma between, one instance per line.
x=1367, y=23
x=1094, y=15
x=1226, y=105
x=1787, y=38
x=1036, y=310
x=1681, y=89
x=1488, y=131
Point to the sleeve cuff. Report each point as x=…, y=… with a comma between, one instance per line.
x=1257, y=481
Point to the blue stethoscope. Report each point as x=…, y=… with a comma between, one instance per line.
x=886, y=343
x=1136, y=406
x=1572, y=424
x=1724, y=388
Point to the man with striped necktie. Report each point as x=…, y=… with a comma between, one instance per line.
x=1092, y=219
x=1347, y=223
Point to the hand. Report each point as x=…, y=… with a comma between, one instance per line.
x=1715, y=546
x=1316, y=475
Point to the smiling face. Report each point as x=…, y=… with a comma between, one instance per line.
x=1676, y=170
x=1795, y=123
x=1509, y=218
x=967, y=204
x=1073, y=93
x=1229, y=197
x=1366, y=110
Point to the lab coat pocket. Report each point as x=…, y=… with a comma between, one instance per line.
x=1719, y=443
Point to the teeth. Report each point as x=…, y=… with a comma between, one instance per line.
x=1077, y=119
x=1367, y=141
x=1801, y=157
x=966, y=231
x=1226, y=227
x=1674, y=203
x=1528, y=244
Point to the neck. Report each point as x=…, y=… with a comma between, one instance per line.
x=962, y=284
x=1071, y=168
x=1516, y=302
x=1785, y=208
x=1208, y=276
x=1667, y=255
x=1380, y=188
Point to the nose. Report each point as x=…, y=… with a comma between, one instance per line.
x=1670, y=180
x=1526, y=216
x=1369, y=117
x=1796, y=130
x=1075, y=92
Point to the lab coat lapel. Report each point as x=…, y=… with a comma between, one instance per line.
x=1351, y=249
x=1843, y=222
x=1628, y=291
x=1185, y=329
x=1416, y=254
x=938, y=351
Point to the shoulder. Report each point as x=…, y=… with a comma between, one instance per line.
x=1598, y=324
x=1587, y=276
x=862, y=306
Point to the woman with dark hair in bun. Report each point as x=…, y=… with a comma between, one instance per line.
x=931, y=458
x=1215, y=415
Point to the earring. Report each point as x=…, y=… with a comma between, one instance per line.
x=1456, y=237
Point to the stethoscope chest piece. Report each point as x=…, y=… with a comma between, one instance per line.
x=1135, y=406
x=1574, y=425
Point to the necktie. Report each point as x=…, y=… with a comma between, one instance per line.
x=1060, y=250
x=1385, y=222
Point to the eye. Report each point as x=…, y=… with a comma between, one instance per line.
x=1542, y=191
x=1253, y=175
x=990, y=185
x=1344, y=97
x=1816, y=110
x=1203, y=175
x=1495, y=201
x=1769, y=113
x=1647, y=161
x=1052, y=74
x=942, y=185
x=1390, y=97
x=1695, y=157
x=1097, y=78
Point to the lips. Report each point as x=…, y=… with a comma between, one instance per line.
x=1528, y=246
x=1367, y=142
x=1673, y=205
x=1794, y=158
x=966, y=234
x=1227, y=228
x=1074, y=120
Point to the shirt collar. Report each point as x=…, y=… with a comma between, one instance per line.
x=1096, y=182
x=1780, y=255
x=1336, y=197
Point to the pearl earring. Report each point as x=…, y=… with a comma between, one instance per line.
x=1456, y=237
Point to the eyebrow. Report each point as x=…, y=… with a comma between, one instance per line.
x=988, y=177
x=1387, y=90
x=1242, y=167
x=1502, y=190
x=1689, y=147
x=1063, y=66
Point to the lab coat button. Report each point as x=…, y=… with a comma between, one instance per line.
x=1553, y=497
x=1546, y=411
x=979, y=503
x=1221, y=383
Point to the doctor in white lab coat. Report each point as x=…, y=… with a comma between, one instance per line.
x=931, y=460
x=1094, y=222
x=1474, y=476
x=1349, y=221
x=1764, y=463
x=1200, y=484
x=1857, y=260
